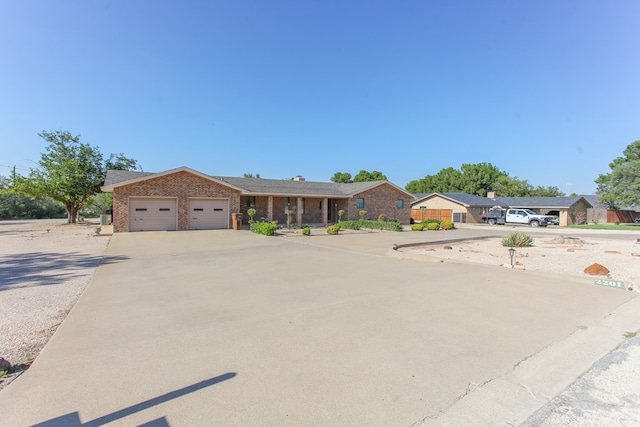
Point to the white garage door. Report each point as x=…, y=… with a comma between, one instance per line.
x=152, y=214
x=208, y=214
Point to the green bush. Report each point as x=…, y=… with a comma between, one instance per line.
x=517, y=240
x=362, y=214
x=433, y=226
x=418, y=227
x=266, y=228
x=350, y=225
x=333, y=229
x=382, y=217
x=306, y=231
x=448, y=225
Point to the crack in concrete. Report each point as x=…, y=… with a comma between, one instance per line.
x=471, y=387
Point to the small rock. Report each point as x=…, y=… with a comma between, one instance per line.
x=596, y=269
x=5, y=365
x=611, y=252
x=571, y=250
x=447, y=247
x=635, y=254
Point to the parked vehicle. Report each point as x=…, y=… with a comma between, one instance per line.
x=500, y=216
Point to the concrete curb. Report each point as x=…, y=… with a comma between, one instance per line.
x=513, y=397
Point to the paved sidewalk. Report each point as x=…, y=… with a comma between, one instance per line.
x=231, y=328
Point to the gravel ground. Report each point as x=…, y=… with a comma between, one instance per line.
x=549, y=254
x=44, y=267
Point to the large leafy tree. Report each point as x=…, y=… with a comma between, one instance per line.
x=70, y=171
x=366, y=176
x=341, y=177
x=478, y=179
x=621, y=186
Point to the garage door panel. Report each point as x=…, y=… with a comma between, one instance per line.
x=152, y=214
x=208, y=214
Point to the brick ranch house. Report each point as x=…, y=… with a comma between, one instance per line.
x=185, y=199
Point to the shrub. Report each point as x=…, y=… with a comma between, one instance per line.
x=431, y=221
x=362, y=214
x=251, y=212
x=433, y=226
x=517, y=240
x=448, y=225
x=418, y=227
x=351, y=225
x=333, y=230
x=382, y=217
x=340, y=213
x=306, y=231
x=266, y=228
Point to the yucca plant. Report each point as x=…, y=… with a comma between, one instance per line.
x=517, y=240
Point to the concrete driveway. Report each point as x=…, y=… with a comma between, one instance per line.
x=232, y=328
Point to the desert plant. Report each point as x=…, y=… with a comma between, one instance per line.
x=306, y=231
x=382, y=217
x=340, y=213
x=517, y=240
x=333, y=230
x=362, y=214
x=448, y=225
x=433, y=225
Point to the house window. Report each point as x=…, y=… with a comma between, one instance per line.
x=360, y=203
x=292, y=203
x=250, y=202
x=400, y=204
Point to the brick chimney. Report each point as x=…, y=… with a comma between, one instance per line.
x=491, y=194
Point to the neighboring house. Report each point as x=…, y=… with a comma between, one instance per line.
x=600, y=214
x=185, y=199
x=468, y=208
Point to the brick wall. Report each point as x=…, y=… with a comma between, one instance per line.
x=181, y=185
x=380, y=200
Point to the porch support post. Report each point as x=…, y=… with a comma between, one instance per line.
x=299, y=211
x=270, y=208
x=325, y=211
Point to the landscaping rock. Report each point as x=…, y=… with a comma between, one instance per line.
x=447, y=247
x=596, y=269
x=5, y=365
x=564, y=240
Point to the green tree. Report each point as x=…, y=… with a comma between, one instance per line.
x=448, y=180
x=341, y=177
x=250, y=175
x=70, y=171
x=366, y=176
x=479, y=178
x=621, y=186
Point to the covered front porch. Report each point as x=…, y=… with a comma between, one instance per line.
x=300, y=210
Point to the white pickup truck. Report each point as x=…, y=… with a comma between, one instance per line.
x=515, y=216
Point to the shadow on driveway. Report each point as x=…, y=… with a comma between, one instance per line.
x=47, y=268
x=73, y=419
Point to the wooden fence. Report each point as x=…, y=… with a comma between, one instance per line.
x=419, y=215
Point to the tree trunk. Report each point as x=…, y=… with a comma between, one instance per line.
x=72, y=214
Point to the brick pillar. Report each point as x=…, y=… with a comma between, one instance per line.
x=299, y=211
x=270, y=208
x=325, y=211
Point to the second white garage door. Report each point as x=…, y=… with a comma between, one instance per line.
x=208, y=214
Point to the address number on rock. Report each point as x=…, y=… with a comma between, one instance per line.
x=610, y=283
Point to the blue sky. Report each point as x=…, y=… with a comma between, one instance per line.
x=546, y=91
